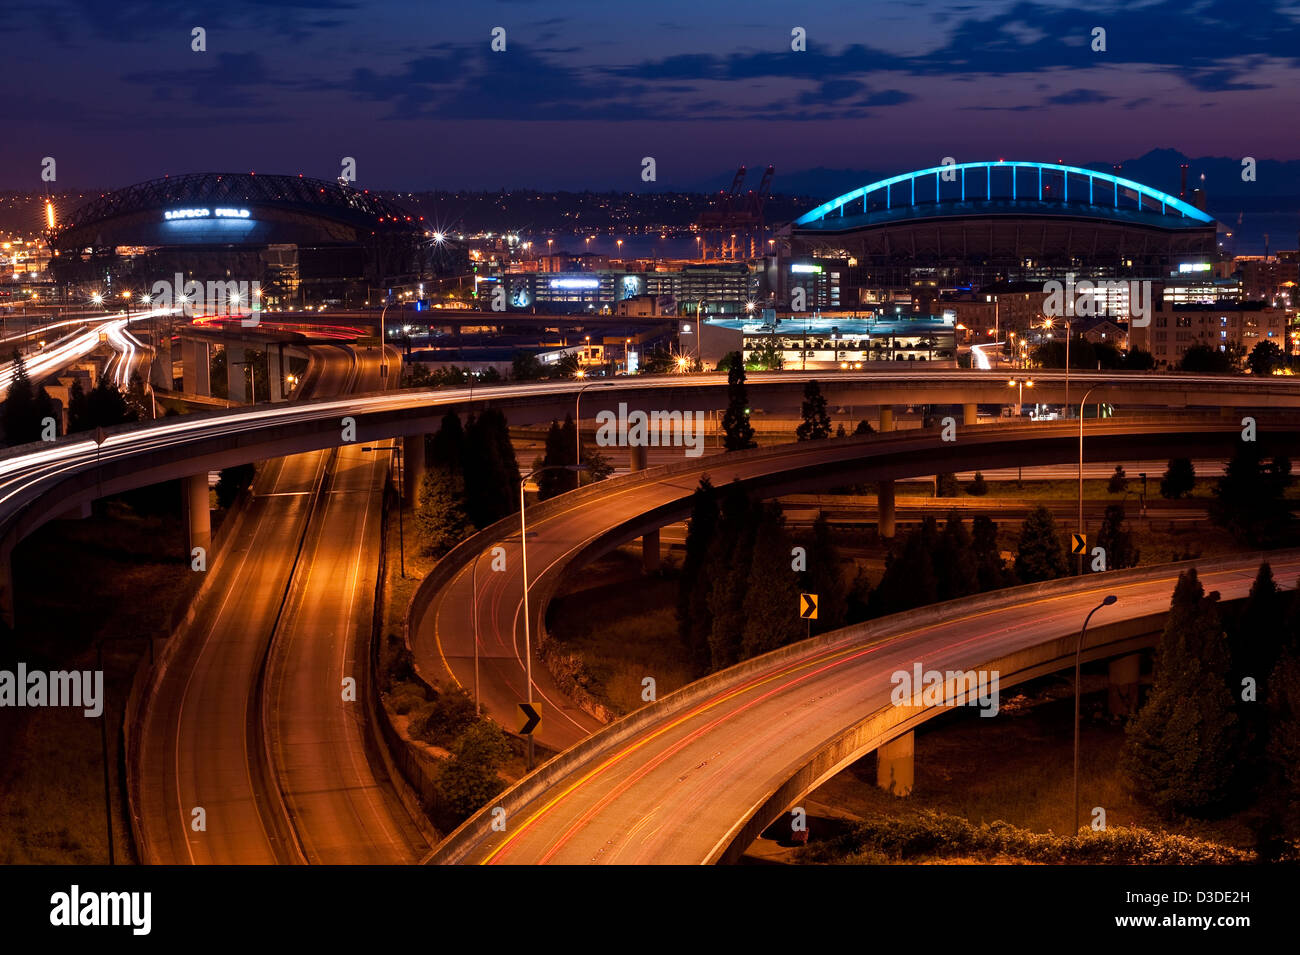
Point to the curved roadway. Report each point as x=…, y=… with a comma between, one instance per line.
x=701, y=777
x=575, y=528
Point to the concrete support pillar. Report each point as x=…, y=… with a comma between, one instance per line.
x=189, y=366
x=196, y=367
x=160, y=371
x=886, y=418
x=236, y=373
x=202, y=369
x=275, y=371
x=637, y=460
x=650, y=552
x=413, y=462
x=969, y=413
x=1125, y=676
x=895, y=768
x=198, y=515
x=885, y=508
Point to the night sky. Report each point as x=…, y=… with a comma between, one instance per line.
x=586, y=89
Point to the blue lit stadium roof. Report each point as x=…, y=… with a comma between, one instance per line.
x=1003, y=188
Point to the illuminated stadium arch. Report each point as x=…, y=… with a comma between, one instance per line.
x=968, y=225
x=967, y=178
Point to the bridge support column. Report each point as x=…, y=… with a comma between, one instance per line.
x=160, y=369
x=969, y=413
x=885, y=508
x=1125, y=676
x=650, y=552
x=413, y=465
x=637, y=459
x=236, y=370
x=275, y=371
x=895, y=769
x=886, y=418
x=196, y=367
x=198, y=514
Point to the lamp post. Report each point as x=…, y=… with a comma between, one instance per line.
x=1020, y=400
x=577, y=424
x=1081, y=407
x=401, y=499
x=474, y=600
x=1078, y=650
x=523, y=551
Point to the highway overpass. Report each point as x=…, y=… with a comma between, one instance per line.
x=566, y=532
x=39, y=482
x=696, y=776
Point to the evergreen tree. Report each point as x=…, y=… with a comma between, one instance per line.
x=772, y=592
x=825, y=578
x=1284, y=722
x=440, y=521
x=1118, y=483
x=490, y=469
x=104, y=407
x=1116, y=540
x=598, y=467
x=138, y=402
x=78, y=411
x=1039, y=555
x=693, y=621
x=909, y=579
x=956, y=572
x=1254, y=646
x=945, y=485
x=232, y=480
x=446, y=447
x=990, y=569
x=20, y=421
x=1179, y=478
x=735, y=420
x=816, y=422
x=978, y=487
x=1179, y=748
x=1249, y=498
x=560, y=444
x=864, y=427
x=730, y=558
x=526, y=367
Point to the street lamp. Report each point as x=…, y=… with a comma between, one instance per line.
x=577, y=424
x=1082, y=404
x=401, y=499
x=1078, y=649
x=1020, y=400
x=523, y=551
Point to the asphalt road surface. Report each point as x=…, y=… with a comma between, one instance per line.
x=676, y=790
x=203, y=729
